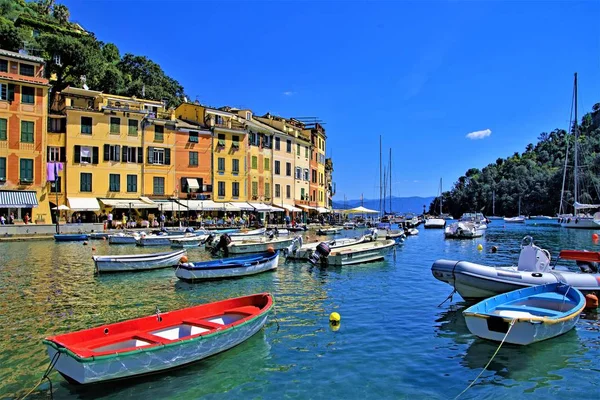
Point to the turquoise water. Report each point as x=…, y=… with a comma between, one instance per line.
x=394, y=340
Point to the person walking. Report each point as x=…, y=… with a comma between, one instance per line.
x=110, y=220
x=2, y=220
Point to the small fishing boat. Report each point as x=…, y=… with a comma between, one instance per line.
x=515, y=220
x=70, y=237
x=158, y=240
x=349, y=225
x=396, y=235
x=255, y=232
x=477, y=281
x=189, y=241
x=435, y=223
x=297, y=228
x=137, y=262
x=123, y=238
x=157, y=342
x=306, y=251
x=527, y=315
x=412, y=232
x=228, y=267
x=356, y=254
x=463, y=230
x=329, y=231
x=542, y=218
x=99, y=235
x=264, y=244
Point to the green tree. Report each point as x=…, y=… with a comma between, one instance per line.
x=61, y=13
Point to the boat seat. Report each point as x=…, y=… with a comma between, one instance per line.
x=148, y=337
x=541, y=312
x=250, y=310
x=203, y=323
x=550, y=296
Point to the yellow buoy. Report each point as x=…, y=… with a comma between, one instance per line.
x=334, y=318
x=479, y=247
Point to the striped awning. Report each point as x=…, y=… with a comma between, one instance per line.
x=18, y=199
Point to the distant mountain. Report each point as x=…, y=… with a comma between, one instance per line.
x=399, y=204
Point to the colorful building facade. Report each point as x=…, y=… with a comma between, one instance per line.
x=24, y=190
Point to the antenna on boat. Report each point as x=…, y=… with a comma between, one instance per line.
x=380, y=178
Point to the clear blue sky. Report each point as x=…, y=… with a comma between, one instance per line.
x=422, y=74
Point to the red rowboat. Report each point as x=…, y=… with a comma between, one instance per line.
x=158, y=342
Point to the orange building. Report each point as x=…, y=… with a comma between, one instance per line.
x=193, y=160
x=23, y=119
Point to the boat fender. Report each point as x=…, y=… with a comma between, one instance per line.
x=591, y=300
x=270, y=250
x=183, y=259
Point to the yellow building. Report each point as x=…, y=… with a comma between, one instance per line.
x=116, y=150
x=229, y=150
x=23, y=117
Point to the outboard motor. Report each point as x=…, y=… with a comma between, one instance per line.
x=224, y=241
x=209, y=239
x=322, y=251
x=587, y=267
x=270, y=234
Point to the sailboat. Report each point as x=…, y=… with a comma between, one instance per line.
x=579, y=219
x=494, y=217
x=437, y=223
x=519, y=219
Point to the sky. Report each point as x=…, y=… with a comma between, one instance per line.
x=448, y=85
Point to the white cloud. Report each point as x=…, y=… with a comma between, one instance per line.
x=479, y=134
x=288, y=93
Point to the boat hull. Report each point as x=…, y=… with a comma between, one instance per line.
x=227, y=271
x=259, y=247
x=139, y=262
x=163, y=240
x=366, y=252
x=121, y=239
x=580, y=223
x=306, y=251
x=476, y=281
x=435, y=223
x=70, y=237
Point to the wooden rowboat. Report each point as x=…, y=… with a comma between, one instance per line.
x=532, y=314
x=158, y=342
x=228, y=267
x=70, y=237
x=137, y=262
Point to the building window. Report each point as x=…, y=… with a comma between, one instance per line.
x=115, y=125
x=288, y=169
x=112, y=152
x=306, y=151
x=277, y=143
x=131, y=183
x=159, y=185
x=159, y=155
x=132, y=154
x=193, y=137
x=193, y=158
x=55, y=186
x=3, y=128
x=221, y=189
x=2, y=169
x=159, y=133
x=218, y=120
x=288, y=191
x=267, y=164
x=253, y=139
x=114, y=182
x=254, y=162
x=314, y=176
x=221, y=165
x=133, y=127
x=85, y=182
x=27, y=128
x=3, y=65
x=298, y=149
x=254, y=190
x=54, y=154
x=86, y=125
x=302, y=194
x=27, y=95
x=4, y=91
x=55, y=125
x=298, y=173
x=277, y=190
x=306, y=174
x=221, y=142
x=27, y=69
x=235, y=141
x=277, y=167
x=289, y=146
x=235, y=189
x=267, y=190
x=248, y=115
x=86, y=155
x=267, y=142
x=235, y=166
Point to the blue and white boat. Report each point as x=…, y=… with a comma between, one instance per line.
x=70, y=237
x=532, y=314
x=228, y=267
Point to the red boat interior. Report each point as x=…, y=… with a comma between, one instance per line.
x=164, y=328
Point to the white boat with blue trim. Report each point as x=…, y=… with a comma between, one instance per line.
x=231, y=267
x=137, y=262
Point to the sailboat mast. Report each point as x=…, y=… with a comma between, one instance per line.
x=390, y=180
x=380, y=177
x=441, y=198
x=576, y=166
x=384, y=189
x=494, y=202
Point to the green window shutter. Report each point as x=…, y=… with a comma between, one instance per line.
x=77, y=154
x=94, y=155
x=140, y=155
x=254, y=162
x=3, y=129
x=150, y=155
x=167, y=156
x=106, y=152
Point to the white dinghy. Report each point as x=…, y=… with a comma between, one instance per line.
x=137, y=262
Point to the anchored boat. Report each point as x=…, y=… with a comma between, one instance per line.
x=306, y=251
x=527, y=315
x=228, y=267
x=259, y=246
x=70, y=237
x=356, y=254
x=123, y=238
x=158, y=342
x=137, y=262
x=476, y=281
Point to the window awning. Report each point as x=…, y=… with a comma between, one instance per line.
x=129, y=203
x=261, y=207
x=322, y=210
x=203, y=205
x=193, y=183
x=290, y=208
x=171, y=206
x=83, y=204
x=240, y=206
x=18, y=199
x=306, y=207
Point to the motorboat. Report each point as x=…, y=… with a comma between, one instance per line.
x=329, y=231
x=411, y=231
x=463, y=230
x=137, y=262
x=99, y=235
x=189, y=241
x=527, y=315
x=397, y=235
x=242, y=233
x=581, y=221
x=349, y=225
x=355, y=254
x=157, y=342
x=70, y=237
x=307, y=250
x=228, y=267
x=123, y=238
x=435, y=223
x=476, y=281
x=476, y=218
x=159, y=240
x=515, y=220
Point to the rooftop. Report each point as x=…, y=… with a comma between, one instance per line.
x=25, y=57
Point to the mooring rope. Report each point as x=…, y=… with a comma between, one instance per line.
x=512, y=323
x=45, y=376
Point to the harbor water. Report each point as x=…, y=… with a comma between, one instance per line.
x=394, y=341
